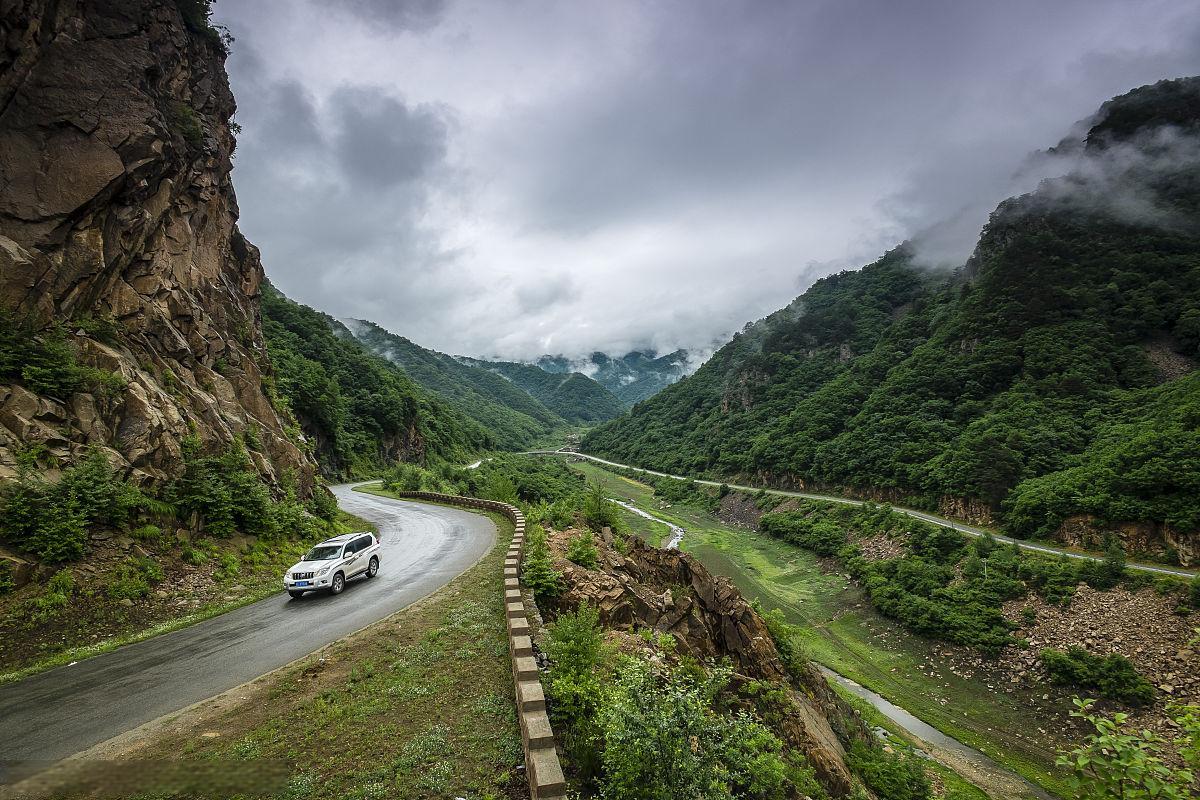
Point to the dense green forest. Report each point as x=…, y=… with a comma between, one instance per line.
x=572, y=395
x=1051, y=375
x=358, y=411
x=513, y=416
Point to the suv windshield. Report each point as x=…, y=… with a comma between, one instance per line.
x=324, y=552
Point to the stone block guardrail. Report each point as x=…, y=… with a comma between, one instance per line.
x=542, y=767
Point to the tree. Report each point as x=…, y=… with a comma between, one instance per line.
x=1115, y=763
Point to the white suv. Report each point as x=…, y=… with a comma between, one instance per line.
x=333, y=562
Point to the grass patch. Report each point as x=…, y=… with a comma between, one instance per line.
x=419, y=705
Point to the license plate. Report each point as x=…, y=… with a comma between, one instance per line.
x=301, y=583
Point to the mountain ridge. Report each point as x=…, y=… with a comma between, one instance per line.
x=1000, y=391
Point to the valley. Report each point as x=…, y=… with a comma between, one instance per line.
x=930, y=530
x=1022, y=723
x=838, y=630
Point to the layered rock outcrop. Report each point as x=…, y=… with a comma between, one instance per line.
x=670, y=592
x=1138, y=538
x=116, y=205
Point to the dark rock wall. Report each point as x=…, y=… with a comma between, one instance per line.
x=115, y=200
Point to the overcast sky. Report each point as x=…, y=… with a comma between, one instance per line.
x=524, y=177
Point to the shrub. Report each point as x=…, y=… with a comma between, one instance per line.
x=664, y=740
x=598, y=512
x=54, y=599
x=146, y=533
x=537, y=570
x=133, y=578
x=1115, y=763
x=1194, y=592
x=228, y=566
x=824, y=537
x=193, y=555
x=52, y=520
x=222, y=490
x=7, y=583
x=323, y=504
x=1113, y=676
x=890, y=776
x=783, y=635
x=579, y=659
x=582, y=550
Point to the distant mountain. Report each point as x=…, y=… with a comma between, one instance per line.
x=632, y=378
x=572, y=395
x=511, y=414
x=1050, y=384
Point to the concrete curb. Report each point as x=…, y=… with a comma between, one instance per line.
x=542, y=767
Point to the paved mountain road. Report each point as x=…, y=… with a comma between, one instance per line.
x=970, y=530
x=64, y=711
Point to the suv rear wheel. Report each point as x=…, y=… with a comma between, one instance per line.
x=339, y=583
x=373, y=567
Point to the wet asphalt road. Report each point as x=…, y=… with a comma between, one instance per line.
x=64, y=711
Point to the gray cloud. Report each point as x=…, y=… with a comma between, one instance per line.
x=382, y=142
x=626, y=174
x=396, y=15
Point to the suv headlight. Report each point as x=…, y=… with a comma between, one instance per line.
x=322, y=571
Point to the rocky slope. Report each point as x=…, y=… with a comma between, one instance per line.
x=669, y=592
x=118, y=222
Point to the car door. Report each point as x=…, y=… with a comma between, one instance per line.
x=350, y=559
x=363, y=546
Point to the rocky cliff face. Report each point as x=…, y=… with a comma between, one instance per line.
x=116, y=205
x=670, y=592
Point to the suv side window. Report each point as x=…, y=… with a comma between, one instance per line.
x=363, y=543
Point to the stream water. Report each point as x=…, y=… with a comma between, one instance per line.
x=934, y=738
x=961, y=755
x=676, y=531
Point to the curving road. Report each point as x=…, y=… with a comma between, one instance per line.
x=970, y=530
x=64, y=711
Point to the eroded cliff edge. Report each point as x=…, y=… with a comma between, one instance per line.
x=118, y=234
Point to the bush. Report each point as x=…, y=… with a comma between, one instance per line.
x=890, y=776
x=598, y=511
x=147, y=533
x=132, y=579
x=537, y=570
x=579, y=660
x=222, y=490
x=7, y=583
x=664, y=740
x=56, y=597
x=52, y=520
x=783, y=635
x=1116, y=763
x=1113, y=676
x=582, y=550
x=323, y=504
x=823, y=537
x=1194, y=592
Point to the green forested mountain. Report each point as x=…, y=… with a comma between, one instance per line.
x=573, y=396
x=358, y=411
x=632, y=377
x=1051, y=375
x=513, y=416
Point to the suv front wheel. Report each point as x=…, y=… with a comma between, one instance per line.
x=339, y=583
